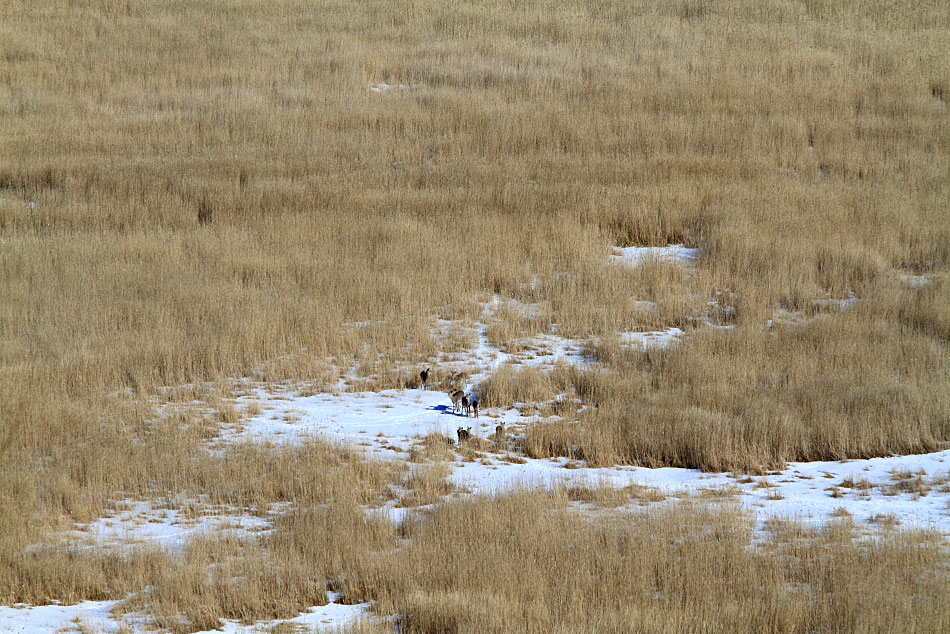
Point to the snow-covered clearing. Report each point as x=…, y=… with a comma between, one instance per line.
x=97, y=616
x=913, y=490
x=170, y=525
x=390, y=423
x=60, y=618
x=677, y=253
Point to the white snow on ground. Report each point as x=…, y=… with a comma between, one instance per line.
x=28, y=204
x=914, y=281
x=784, y=317
x=391, y=418
x=543, y=351
x=97, y=616
x=645, y=340
x=808, y=490
x=140, y=522
x=385, y=87
x=59, y=618
x=837, y=304
x=677, y=253
x=317, y=619
x=546, y=351
x=390, y=423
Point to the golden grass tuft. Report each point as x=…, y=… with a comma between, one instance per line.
x=508, y=385
x=427, y=485
x=434, y=448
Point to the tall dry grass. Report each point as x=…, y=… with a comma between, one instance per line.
x=531, y=561
x=528, y=563
x=868, y=382
x=173, y=467
x=218, y=191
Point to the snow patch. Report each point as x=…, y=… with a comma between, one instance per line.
x=914, y=281
x=837, y=304
x=385, y=87
x=143, y=522
x=95, y=615
x=317, y=619
x=546, y=351
x=390, y=423
x=676, y=253
x=653, y=339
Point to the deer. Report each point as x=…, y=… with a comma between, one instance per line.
x=456, y=397
x=424, y=375
x=499, y=432
x=465, y=405
x=464, y=434
x=473, y=404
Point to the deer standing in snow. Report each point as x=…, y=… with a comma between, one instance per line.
x=456, y=397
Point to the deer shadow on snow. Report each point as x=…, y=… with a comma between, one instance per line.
x=444, y=409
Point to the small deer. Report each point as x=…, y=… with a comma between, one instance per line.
x=424, y=375
x=499, y=432
x=456, y=397
x=465, y=404
x=464, y=434
x=473, y=404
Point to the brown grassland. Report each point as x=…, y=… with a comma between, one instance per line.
x=219, y=193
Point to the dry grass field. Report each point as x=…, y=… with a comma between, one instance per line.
x=198, y=191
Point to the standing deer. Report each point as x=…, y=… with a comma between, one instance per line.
x=465, y=404
x=473, y=404
x=424, y=375
x=456, y=397
x=464, y=434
